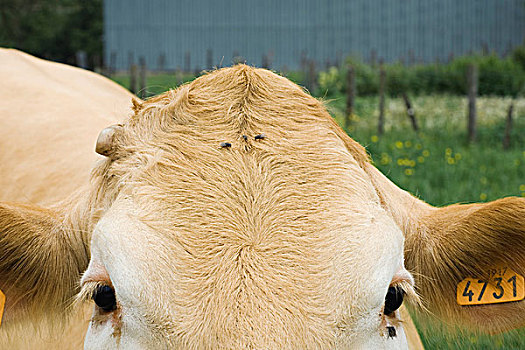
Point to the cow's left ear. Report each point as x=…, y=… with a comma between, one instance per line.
x=484, y=242
x=41, y=260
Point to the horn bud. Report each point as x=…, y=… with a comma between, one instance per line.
x=106, y=140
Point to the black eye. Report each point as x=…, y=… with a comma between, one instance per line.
x=393, y=300
x=104, y=297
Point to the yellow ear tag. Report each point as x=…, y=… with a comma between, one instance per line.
x=500, y=285
x=2, y=304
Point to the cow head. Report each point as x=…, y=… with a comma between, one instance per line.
x=233, y=213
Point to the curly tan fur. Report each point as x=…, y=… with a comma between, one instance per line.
x=235, y=211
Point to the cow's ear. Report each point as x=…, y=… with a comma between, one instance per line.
x=40, y=262
x=483, y=241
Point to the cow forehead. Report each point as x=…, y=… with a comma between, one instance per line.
x=223, y=232
x=204, y=254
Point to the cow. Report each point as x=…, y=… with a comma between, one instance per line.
x=50, y=115
x=233, y=212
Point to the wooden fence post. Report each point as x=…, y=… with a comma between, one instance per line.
x=187, y=62
x=311, y=76
x=373, y=58
x=179, y=76
x=508, y=127
x=338, y=59
x=303, y=61
x=472, y=83
x=142, y=78
x=133, y=78
x=382, y=84
x=162, y=62
x=265, y=61
x=131, y=59
x=410, y=112
x=350, y=95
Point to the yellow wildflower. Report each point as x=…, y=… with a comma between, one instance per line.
x=409, y=172
x=399, y=144
x=426, y=153
x=483, y=196
x=418, y=146
x=457, y=156
x=522, y=188
x=408, y=144
x=421, y=159
x=374, y=138
x=451, y=160
x=448, y=151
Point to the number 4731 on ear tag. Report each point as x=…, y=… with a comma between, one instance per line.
x=500, y=285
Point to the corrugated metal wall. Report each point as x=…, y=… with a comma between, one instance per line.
x=186, y=31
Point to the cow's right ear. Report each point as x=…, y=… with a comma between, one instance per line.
x=447, y=247
x=40, y=262
x=469, y=263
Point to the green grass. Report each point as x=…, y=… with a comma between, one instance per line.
x=436, y=337
x=436, y=163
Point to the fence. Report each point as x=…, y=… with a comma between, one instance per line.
x=138, y=85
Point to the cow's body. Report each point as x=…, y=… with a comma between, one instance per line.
x=230, y=213
x=50, y=116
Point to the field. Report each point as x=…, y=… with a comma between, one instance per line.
x=436, y=163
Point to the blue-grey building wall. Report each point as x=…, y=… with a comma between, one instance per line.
x=185, y=32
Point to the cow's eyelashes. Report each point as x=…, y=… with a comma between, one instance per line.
x=104, y=297
x=393, y=300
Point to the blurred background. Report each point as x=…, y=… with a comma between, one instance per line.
x=435, y=89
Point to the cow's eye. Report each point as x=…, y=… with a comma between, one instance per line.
x=393, y=300
x=104, y=297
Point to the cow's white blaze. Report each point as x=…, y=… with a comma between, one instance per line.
x=147, y=279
